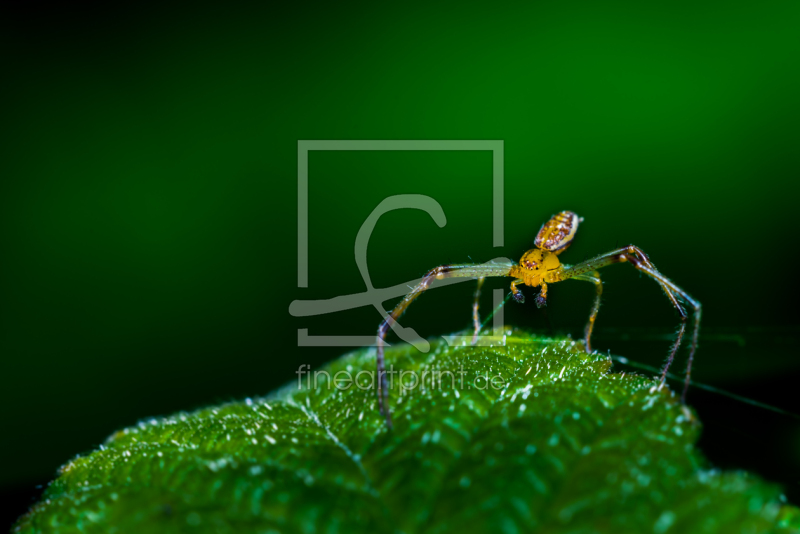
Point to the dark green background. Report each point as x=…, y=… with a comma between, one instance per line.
x=149, y=192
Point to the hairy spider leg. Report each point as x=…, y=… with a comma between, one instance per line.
x=645, y=259
x=593, y=277
x=443, y=271
x=673, y=350
x=695, y=333
x=517, y=292
x=628, y=254
x=476, y=318
x=541, y=298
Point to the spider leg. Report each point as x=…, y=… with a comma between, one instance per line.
x=645, y=259
x=517, y=292
x=476, y=318
x=593, y=277
x=695, y=334
x=673, y=350
x=635, y=256
x=479, y=271
x=541, y=298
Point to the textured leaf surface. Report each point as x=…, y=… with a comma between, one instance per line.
x=563, y=446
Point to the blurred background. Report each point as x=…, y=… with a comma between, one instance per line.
x=149, y=197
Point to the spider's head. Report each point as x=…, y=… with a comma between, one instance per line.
x=557, y=234
x=536, y=264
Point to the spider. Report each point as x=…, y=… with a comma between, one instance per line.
x=541, y=266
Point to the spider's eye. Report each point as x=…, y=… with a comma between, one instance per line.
x=557, y=233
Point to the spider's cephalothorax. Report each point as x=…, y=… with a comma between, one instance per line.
x=537, y=268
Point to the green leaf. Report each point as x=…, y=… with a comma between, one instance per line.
x=556, y=443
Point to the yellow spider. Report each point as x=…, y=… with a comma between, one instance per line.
x=538, y=267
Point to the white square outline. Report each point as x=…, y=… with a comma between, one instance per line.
x=496, y=147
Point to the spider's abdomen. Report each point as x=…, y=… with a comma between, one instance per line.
x=557, y=233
